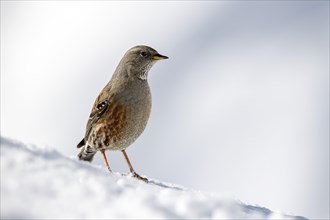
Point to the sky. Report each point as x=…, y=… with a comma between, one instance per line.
x=240, y=108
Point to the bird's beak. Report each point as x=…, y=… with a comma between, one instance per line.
x=159, y=57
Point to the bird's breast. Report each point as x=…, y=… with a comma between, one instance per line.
x=125, y=120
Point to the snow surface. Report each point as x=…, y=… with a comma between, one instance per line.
x=41, y=183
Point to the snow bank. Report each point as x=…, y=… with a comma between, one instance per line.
x=42, y=183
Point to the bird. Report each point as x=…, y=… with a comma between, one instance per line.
x=121, y=111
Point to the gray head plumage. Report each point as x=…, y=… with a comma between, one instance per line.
x=139, y=60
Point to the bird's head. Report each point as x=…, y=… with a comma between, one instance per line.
x=140, y=59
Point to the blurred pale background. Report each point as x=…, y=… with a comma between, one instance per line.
x=240, y=108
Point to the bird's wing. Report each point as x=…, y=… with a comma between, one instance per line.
x=100, y=106
x=96, y=114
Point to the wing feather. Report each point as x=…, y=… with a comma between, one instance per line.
x=96, y=115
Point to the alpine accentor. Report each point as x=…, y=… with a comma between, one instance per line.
x=121, y=111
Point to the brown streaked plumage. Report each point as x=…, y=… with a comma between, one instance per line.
x=122, y=109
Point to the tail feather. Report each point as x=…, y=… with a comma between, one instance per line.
x=81, y=143
x=87, y=153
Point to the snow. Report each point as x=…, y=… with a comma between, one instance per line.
x=42, y=183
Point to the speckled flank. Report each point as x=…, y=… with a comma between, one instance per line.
x=109, y=130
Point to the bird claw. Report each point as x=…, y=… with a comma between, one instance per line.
x=135, y=175
x=139, y=177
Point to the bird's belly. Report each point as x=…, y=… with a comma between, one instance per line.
x=121, y=127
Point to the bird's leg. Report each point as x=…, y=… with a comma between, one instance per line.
x=132, y=170
x=105, y=160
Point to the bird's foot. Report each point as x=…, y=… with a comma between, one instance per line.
x=135, y=175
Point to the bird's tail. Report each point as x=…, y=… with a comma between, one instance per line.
x=87, y=153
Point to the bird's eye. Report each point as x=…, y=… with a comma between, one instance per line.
x=144, y=54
